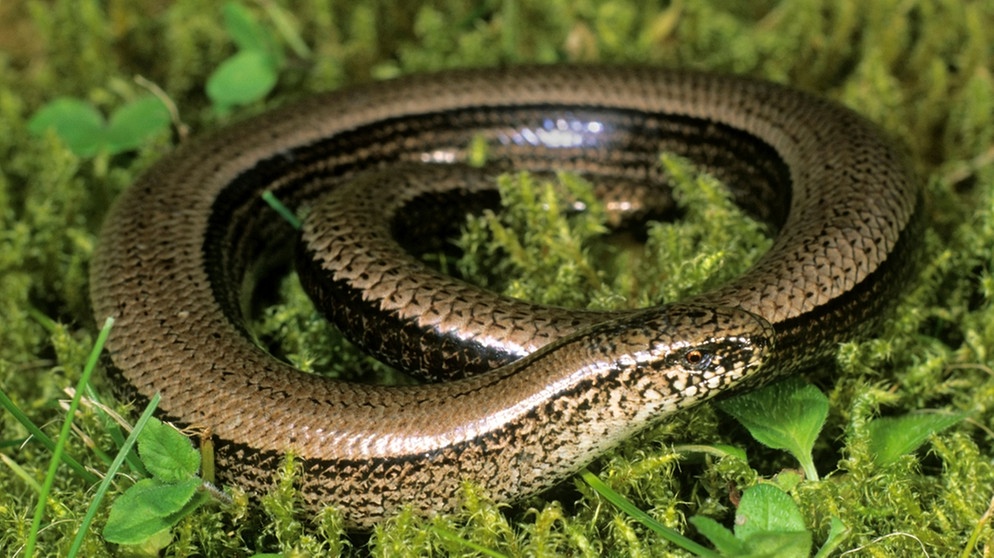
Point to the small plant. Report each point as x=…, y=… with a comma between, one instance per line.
x=252, y=72
x=87, y=133
x=173, y=491
x=767, y=523
x=789, y=415
x=152, y=506
x=247, y=76
x=786, y=415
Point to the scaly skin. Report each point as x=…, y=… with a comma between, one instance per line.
x=180, y=250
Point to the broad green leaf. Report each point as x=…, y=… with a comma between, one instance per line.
x=244, y=29
x=719, y=535
x=167, y=454
x=86, y=133
x=767, y=524
x=778, y=545
x=148, y=508
x=765, y=508
x=787, y=415
x=76, y=122
x=892, y=437
x=244, y=78
x=131, y=125
x=152, y=546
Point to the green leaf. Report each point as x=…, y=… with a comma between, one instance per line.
x=251, y=73
x=244, y=78
x=167, y=454
x=288, y=29
x=767, y=524
x=86, y=133
x=147, y=508
x=76, y=122
x=765, y=508
x=770, y=523
x=779, y=545
x=892, y=437
x=787, y=415
x=719, y=535
x=244, y=29
x=131, y=125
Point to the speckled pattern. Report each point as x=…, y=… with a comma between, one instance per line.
x=180, y=251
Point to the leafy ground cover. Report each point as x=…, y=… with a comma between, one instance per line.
x=882, y=476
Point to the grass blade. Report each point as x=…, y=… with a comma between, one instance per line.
x=645, y=519
x=44, y=439
x=46, y=488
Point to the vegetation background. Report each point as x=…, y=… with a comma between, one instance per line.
x=920, y=68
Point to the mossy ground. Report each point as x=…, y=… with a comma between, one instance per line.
x=920, y=68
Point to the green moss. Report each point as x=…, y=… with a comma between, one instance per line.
x=539, y=249
x=922, y=69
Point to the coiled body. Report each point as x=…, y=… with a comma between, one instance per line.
x=179, y=251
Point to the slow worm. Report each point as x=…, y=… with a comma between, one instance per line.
x=181, y=250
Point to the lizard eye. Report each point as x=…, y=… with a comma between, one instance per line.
x=697, y=358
